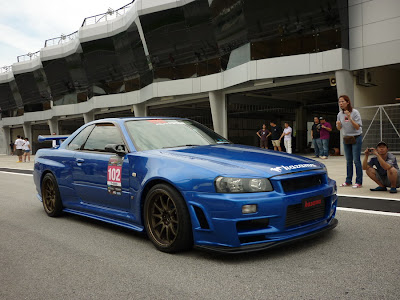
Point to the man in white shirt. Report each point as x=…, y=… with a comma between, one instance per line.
x=287, y=134
x=54, y=142
x=18, y=145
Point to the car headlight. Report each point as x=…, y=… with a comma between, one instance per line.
x=325, y=169
x=242, y=185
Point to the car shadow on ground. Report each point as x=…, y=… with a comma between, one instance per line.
x=278, y=252
x=104, y=225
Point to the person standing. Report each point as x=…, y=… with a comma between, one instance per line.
x=287, y=137
x=54, y=142
x=315, y=137
x=276, y=132
x=263, y=134
x=350, y=123
x=18, y=145
x=12, y=148
x=27, y=150
x=383, y=168
x=324, y=135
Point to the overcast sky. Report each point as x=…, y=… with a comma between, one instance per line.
x=25, y=25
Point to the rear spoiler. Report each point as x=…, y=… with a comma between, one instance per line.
x=53, y=137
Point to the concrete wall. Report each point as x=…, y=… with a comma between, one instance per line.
x=386, y=90
x=374, y=34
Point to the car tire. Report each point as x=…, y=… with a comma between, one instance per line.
x=51, y=196
x=167, y=219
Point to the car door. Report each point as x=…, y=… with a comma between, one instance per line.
x=101, y=178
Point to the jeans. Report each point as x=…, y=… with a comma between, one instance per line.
x=353, y=154
x=317, y=147
x=325, y=147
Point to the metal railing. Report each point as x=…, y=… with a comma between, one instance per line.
x=28, y=56
x=5, y=69
x=381, y=123
x=61, y=39
x=109, y=15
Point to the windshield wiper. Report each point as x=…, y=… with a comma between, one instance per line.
x=187, y=145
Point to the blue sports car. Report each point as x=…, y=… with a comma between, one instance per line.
x=185, y=185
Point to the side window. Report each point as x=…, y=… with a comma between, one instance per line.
x=80, y=139
x=102, y=135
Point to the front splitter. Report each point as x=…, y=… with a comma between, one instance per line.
x=263, y=246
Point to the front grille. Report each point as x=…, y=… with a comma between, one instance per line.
x=296, y=215
x=251, y=239
x=299, y=183
x=254, y=224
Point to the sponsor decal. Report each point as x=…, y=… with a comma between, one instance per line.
x=165, y=122
x=293, y=167
x=156, y=121
x=312, y=203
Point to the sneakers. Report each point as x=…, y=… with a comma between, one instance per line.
x=323, y=157
x=393, y=190
x=357, y=186
x=378, y=189
x=345, y=184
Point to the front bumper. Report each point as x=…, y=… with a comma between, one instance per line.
x=258, y=247
x=217, y=219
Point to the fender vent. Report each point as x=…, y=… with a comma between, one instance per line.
x=201, y=218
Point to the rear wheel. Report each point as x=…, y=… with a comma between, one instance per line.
x=51, y=196
x=167, y=219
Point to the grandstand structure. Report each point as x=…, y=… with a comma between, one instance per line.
x=229, y=64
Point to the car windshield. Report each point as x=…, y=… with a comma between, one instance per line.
x=160, y=134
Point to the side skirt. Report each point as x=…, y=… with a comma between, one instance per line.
x=104, y=219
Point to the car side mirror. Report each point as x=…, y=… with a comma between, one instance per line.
x=116, y=148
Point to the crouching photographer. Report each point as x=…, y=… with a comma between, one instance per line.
x=383, y=168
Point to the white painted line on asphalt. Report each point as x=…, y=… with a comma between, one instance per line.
x=16, y=173
x=373, y=212
x=368, y=197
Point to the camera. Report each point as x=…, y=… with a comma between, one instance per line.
x=371, y=150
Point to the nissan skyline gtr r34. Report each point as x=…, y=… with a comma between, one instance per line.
x=184, y=185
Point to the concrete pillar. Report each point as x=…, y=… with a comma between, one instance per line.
x=301, y=129
x=219, y=112
x=53, y=124
x=140, y=110
x=28, y=131
x=344, y=86
x=88, y=117
x=5, y=139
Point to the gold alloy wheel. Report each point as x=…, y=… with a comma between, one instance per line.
x=49, y=196
x=162, y=217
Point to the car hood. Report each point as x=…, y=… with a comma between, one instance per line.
x=239, y=160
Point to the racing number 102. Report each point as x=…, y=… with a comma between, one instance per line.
x=114, y=174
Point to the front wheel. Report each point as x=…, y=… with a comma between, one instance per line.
x=51, y=196
x=167, y=219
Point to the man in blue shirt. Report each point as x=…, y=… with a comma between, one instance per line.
x=383, y=168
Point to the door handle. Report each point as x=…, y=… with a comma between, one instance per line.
x=80, y=161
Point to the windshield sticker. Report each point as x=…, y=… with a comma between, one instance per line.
x=293, y=167
x=170, y=123
x=156, y=121
x=114, y=173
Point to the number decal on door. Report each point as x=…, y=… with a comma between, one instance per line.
x=114, y=176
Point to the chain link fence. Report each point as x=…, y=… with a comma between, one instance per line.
x=381, y=123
